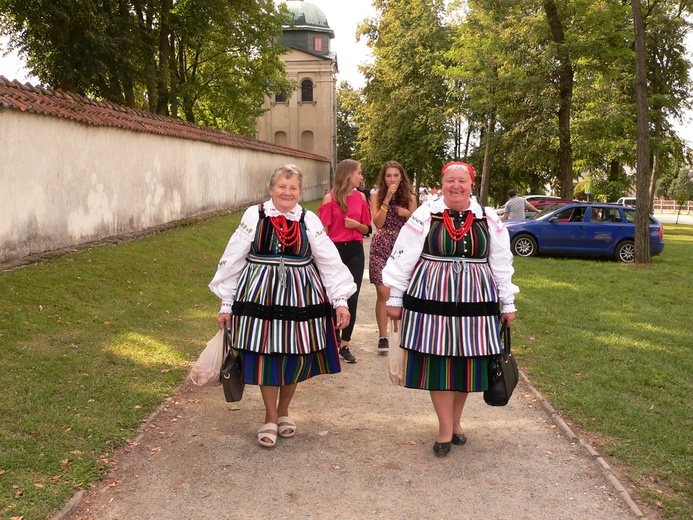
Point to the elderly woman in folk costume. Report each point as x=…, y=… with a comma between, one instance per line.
x=281, y=281
x=450, y=283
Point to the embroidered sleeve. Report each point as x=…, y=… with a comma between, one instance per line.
x=500, y=261
x=233, y=260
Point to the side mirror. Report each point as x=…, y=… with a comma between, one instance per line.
x=553, y=219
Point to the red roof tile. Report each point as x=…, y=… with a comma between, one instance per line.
x=36, y=100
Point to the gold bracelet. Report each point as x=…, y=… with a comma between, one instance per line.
x=384, y=208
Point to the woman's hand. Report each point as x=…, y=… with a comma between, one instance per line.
x=403, y=212
x=394, y=313
x=351, y=223
x=343, y=317
x=507, y=318
x=224, y=320
x=391, y=190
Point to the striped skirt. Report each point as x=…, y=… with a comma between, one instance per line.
x=462, y=374
x=287, y=369
x=282, y=322
x=281, y=307
x=451, y=309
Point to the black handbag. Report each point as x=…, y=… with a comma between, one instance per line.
x=503, y=374
x=231, y=375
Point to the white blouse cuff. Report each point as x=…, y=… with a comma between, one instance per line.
x=340, y=302
x=508, y=308
x=394, y=301
x=226, y=307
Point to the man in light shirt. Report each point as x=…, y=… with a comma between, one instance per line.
x=515, y=207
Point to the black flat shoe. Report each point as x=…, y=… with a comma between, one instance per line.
x=459, y=439
x=441, y=448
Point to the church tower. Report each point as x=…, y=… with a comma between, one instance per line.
x=305, y=119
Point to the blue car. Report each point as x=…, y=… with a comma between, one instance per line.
x=584, y=229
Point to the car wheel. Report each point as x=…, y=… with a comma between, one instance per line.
x=625, y=252
x=524, y=245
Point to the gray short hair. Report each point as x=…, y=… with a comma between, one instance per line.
x=288, y=171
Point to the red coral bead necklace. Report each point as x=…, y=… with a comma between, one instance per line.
x=286, y=232
x=458, y=234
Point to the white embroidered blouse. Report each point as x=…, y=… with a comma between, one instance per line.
x=338, y=281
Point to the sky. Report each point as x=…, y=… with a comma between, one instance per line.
x=343, y=17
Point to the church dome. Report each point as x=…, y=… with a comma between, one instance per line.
x=307, y=15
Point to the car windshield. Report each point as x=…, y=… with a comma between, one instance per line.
x=547, y=213
x=545, y=210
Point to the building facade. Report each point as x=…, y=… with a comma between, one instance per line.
x=305, y=119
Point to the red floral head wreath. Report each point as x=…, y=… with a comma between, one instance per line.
x=458, y=164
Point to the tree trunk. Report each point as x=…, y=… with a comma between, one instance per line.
x=614, y=170
x=565, y=82
x=163, y=70
x=488, y=159
x=469, y=136
x=174, y=78
x=417, y=182
x=458, y=135
x=642, y=213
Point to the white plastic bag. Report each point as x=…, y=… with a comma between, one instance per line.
x=395, y=355
x=207, y=369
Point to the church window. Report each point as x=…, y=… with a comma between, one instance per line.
x=280, y=139
x=307, y=90
x=307, y=141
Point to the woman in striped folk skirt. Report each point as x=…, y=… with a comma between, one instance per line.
x=281, y=281
x=450, y=275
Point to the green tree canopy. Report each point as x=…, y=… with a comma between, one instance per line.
x=348, y=105
x=210, y=61
x=404, y=117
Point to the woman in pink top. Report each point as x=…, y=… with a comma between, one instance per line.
x=346, y=216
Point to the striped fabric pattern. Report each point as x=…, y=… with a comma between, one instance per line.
x=280, y=369
x=452, y=279
x=425, y=372
x=281, y=318
x=275, y=279
x=284, y=283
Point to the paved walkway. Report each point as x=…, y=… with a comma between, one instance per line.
x=363, y=450
x=670, y=218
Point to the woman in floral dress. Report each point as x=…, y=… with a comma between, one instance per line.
x=392, y=205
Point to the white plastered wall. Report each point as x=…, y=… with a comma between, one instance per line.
x=64, y=183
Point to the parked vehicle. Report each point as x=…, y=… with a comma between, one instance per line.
x=583, y=229
x=626, y=201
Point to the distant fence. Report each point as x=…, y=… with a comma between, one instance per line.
x=671, y=206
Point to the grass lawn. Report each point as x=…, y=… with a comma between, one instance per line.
x=610, y=346
x=92, y=342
